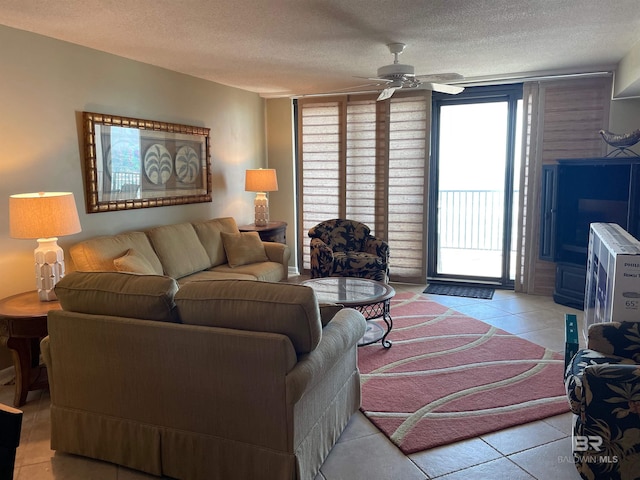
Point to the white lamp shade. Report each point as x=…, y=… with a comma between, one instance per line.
x=43, y=215
x=261, y=180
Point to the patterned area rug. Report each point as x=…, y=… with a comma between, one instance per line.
x=449, y=377
x=485, y=293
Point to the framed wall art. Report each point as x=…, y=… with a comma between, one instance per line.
x=133, y=163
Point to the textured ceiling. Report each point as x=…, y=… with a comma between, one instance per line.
x=293, y=47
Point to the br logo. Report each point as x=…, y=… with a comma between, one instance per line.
x=583, y=443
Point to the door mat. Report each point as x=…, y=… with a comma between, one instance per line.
x=449, y=377
x=461, y=291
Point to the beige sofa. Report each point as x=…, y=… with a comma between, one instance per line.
x=208, y=250
x=227, y=379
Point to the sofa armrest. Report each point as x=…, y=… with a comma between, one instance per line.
x=341, y=334
x=377, y=247
x=45, y=350
x=611, y=388
x=583, y=361
x=320, y=246
x=321, y=258
x=606, y=437
x=279, y=253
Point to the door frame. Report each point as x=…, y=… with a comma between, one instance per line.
x=483, y=94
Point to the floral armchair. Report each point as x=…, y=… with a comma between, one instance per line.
x=603, y=386
x=346, y=248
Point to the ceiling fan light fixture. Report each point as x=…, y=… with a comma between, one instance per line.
x=396, y=48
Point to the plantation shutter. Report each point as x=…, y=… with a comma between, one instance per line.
x=563, y=119
x=409, y=128
x=362, y=176
x=320, y=174
x=366, y=161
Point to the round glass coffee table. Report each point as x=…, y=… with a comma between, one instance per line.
x=369, y=297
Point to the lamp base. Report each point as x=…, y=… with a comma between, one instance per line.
x=49, y=267
x=261, y=204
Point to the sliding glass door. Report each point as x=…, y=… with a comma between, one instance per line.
x=473, y=185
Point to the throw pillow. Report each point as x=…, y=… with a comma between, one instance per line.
x=209, y=235
x=133, y=262
x=243, y=248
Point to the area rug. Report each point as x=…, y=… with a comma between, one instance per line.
x=485, y=293
x=448, y=377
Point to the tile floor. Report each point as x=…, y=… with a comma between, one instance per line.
x=539, y=450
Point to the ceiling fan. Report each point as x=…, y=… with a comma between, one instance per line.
x=399, y=76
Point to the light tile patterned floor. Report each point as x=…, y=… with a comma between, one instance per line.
x=539, y=450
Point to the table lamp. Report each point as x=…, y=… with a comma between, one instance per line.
x=44, y=216
x=261, y=180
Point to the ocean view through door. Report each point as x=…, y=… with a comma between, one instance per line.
x=474, y=186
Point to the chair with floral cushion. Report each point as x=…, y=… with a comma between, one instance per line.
x=346, y=248
x=603, y=386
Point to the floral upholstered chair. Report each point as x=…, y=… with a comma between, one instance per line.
x=346, y=248
x=603, y=386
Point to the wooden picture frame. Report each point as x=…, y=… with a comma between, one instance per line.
x=133, y=163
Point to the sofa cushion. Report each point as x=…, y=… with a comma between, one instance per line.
x=97, y=254
x=263, y=271
x=243, y=248
x=226, y=274
x=133, y=262
x=209, y=235
x=179, y=249
x=148, y=297
x=359, y=264
x=288, y=309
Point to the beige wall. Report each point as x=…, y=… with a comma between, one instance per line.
x=625, y=117
x=280, y=155
x=627, y=79
x=45, y=84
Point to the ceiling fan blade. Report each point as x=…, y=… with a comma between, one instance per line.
x=442, y=88
x=380, y=80
x=356, y=88
x=376, y=79
x=386, y=93
x=440, y=77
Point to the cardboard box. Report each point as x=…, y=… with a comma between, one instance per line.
x=612, y=291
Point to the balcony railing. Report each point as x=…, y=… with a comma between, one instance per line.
x=472, y=219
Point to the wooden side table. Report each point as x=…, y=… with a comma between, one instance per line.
x=23, y=323
x=272, y=232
